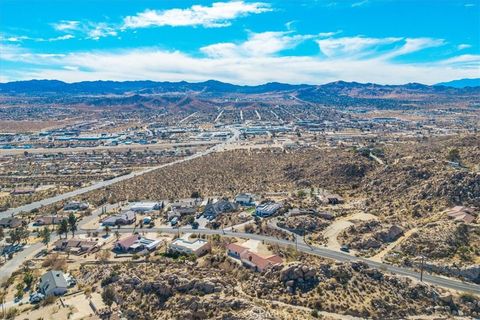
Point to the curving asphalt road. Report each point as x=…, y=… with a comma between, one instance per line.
x=103, y=184
x=321, y=252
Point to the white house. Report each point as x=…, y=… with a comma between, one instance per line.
x=145, y=206
x=197, y=247
x=53, y=283
x=267, y=209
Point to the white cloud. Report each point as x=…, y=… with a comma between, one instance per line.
x=413, y=45
x=100, y=30
x=328, y=34
x=219, y=14
x=66, y=25
x=360, y=3
x=257, y=45
x=160, y=65
x=334, y=47
x=464, y=46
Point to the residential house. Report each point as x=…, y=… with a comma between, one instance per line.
x=22, y=191
x=124, y=218
x=251, y=259
x=145, y=206
x=135, y=243
x=245, y=199
x=75, y=206
x=267, y=209
x=461, y=214
x=53, y=283
x=212, y=210
x=10, y=222
x=180, y=211
x=48, y=220
x=197, y=247
x=75, y=246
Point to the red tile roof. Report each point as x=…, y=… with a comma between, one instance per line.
x=128, y=241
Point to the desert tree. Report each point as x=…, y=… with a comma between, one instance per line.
x=72, y=223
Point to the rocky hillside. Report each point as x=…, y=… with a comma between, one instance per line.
x=216, y=288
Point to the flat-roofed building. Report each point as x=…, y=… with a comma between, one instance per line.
x=267, y=209
x=197, y=247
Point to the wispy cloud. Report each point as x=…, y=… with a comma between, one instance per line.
x=464, y=46
x=360, y=3
x=258, y=45
x=250, y=62
x=18, y=39
x=219, y=14
x=100, y=30
x=66, y=25
x=352, y=46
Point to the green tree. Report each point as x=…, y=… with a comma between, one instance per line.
x=108, y=296
x=63, y=228
x=117, y=234
x=107, y=230
x=45, y=234
x=454, y=155
x=28, y=279
x=72, y=223
x=18, y=235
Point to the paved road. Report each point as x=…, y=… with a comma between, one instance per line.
x=18, y=258
x=103, y=184
x=12, y=265
x=321, y=252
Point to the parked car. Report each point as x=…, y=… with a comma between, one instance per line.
x=174, y=221
x=36, y=297
x=345, y=248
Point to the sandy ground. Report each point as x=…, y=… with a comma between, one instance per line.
x=333, y=230
x=379, y=256
x=257, y=247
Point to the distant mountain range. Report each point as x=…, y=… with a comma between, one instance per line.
x=461, y=83
x=55, y=87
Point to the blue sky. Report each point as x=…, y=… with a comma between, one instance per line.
x=244, y=42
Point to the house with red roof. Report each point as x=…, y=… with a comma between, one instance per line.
x=252, y=259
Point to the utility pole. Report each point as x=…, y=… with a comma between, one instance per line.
x=421, y=268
